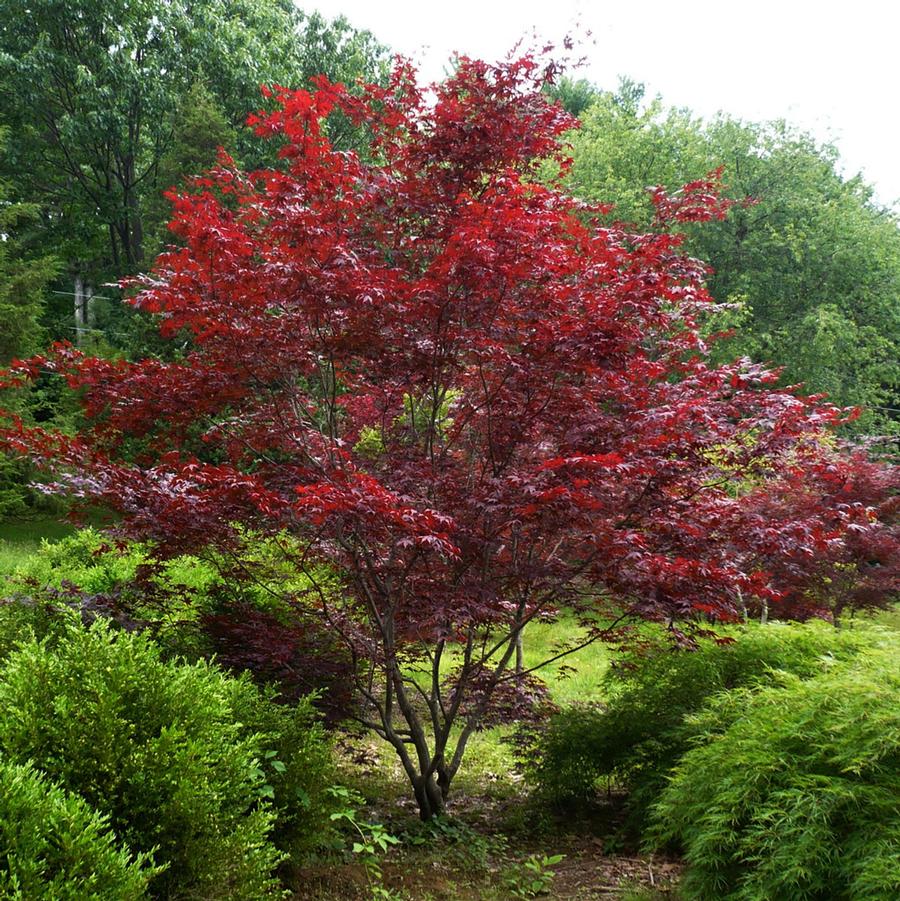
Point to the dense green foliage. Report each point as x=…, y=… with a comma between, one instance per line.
x=85, y=573
x=23, y=281
x=638, y=737
x=296, y=762
x=91, y=562
x=154, y=746
x=791, y=793
x=812, y=267
x=249, y=617
x=23, y=278
x=23, y=620
x=53, y=847
x=95, y=96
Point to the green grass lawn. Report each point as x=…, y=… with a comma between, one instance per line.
x=890, y=619
x=20, y=539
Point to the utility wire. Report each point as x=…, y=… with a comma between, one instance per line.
x=85, y=296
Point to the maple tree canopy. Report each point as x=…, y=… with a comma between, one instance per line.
x=434, y=367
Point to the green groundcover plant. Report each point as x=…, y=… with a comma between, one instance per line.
x=792, y=791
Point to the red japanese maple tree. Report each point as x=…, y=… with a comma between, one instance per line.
x=477, y=404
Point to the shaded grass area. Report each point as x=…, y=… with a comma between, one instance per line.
x=576, y=678
x=488, y=768
x=22, y=538
x=890, y=619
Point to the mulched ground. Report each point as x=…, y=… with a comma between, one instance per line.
x=587, y=873
x=474, y=865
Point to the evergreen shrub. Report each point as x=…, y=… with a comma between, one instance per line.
x=639, y=736
x=153, y=745
x=53, y=847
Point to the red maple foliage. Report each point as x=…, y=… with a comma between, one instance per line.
x=472, y=400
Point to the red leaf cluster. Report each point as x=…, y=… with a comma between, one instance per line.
x=459, y=387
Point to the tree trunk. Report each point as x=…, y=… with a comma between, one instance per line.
x=79, y=311
x=134, y=226
x=82, y=309
x=744, y=614
x=89, y=316
x=429, y=797
x=836, y=616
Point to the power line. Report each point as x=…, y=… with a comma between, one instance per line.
x=85, y=296
x=93, y=331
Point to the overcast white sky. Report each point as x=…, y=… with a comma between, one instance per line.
x=832, y=68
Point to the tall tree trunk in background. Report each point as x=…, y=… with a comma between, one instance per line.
x=133, y=224
x=79, y=310
x=83, y=310
x=89, y=316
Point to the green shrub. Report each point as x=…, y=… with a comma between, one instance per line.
x=152, y=744
x=251, y=616
x=25, y=619
x=792, y=792
x=296, y=761
x=95, y=564
x=53, y=847
x=641, y=733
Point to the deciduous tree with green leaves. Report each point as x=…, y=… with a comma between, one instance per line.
x=23, y=280
x=91, y=91
x=812, y=267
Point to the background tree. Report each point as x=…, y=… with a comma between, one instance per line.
x=199, y=128
x=814, y=264
x=457, y=400
x=23, y=281
x=91, y=90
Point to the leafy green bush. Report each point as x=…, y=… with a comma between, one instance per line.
x=640, y=735
x=792, y=792
x=95, y=564
x=296, y=763
x=152, y=744
x=53, y=847
x=252, y=617
x=24, y=619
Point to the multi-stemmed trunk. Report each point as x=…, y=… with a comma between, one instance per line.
x=430, y=745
